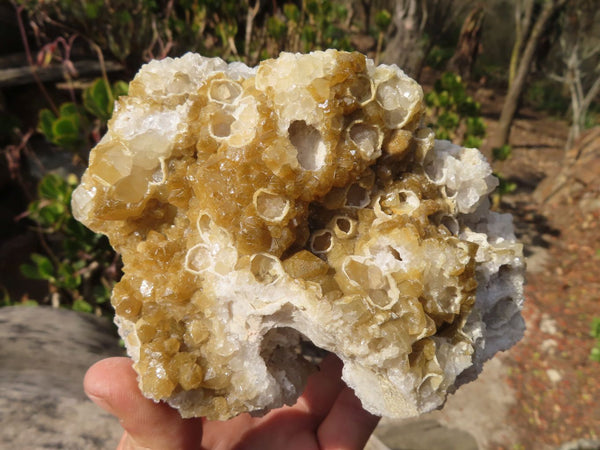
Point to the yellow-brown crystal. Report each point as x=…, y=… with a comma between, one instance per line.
x=298, y=200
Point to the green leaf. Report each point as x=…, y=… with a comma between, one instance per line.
x=68, y=109
x=44, y=266
x=472, y=142
x=467, y=106
x=444, y=100
x=45, y=121
x=5, y=301
x=502, y=153
x=291, y=12
x=506, y=187
x=475, y=126
x=53, y=187
x=595, y=331
x=276, y=28
x=30, y=271
x=431, y=98
x=309, y=35
x=312, y=6
x=51, y=216
x=82, y=306
x=78, y=265
x=65, y=126
x=63, y=130
x=66, y=132
x=33, y=209
x=42, y=269
x=595, y=354
x=68, y=278
x=97, y=101
x=443, y=134
x=120, y=88
x=123, y=17
x=383, y=19
x=28, y=302
x=92, y=9
x=448, y=120
x=101, y=294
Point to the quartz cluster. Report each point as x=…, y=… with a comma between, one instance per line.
x=301, y=199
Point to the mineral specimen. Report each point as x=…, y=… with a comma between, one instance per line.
x=302, y=199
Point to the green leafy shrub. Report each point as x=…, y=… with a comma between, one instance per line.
x=546, y=95
x=595, y=333
x=5, y=300
x=455, y=115
x=505, y=186
x=72, y=128
x=592, y=118
x=124, y=29
x=316, y=26
x=439, y=56
x=502, y=153
x=79, y=265
x=383, y=20
x=98, y=99
x=67, y=130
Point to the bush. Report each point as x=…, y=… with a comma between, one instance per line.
x=438, y=57
x=595, y=333
x=79, y=265
x=455, y=115
x=502, y=153
x=546, y=95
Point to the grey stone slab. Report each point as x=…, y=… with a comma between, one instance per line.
x=44, y=354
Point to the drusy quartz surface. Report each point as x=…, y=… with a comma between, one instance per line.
x=301, y=199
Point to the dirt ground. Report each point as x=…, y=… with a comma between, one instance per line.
x=556, y=385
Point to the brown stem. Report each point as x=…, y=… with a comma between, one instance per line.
x=379, y=46
x=32, y=66
x=98, y=50
x=46, y=247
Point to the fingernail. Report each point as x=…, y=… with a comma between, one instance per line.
x=101, y=402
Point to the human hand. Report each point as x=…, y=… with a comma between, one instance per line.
x=327, y=416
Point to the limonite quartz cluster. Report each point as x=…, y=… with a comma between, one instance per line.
x=301, y=199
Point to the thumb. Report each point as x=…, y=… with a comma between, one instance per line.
x=112, y=385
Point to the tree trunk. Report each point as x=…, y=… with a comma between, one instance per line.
x=404, y=45
x=580, y=105
x=515, y=90
x=366, y=5
x=250, y=15
x=468, y=45
x=523, y=14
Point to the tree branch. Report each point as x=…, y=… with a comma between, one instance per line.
x=251, y=14
x=591, y=94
